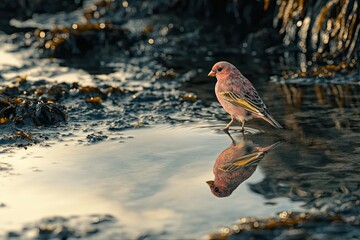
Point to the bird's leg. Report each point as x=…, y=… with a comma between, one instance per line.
x=243, y=126
x=229, y=124
x=232, y=139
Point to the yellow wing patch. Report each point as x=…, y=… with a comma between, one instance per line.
x=241, y=102
x=247, y=160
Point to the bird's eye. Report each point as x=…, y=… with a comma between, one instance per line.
x=219, y=69
x=216, y=189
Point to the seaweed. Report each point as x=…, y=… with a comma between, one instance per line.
x=325, y=32
x=37, y=112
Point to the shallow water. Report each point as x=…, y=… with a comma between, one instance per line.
x=150, y=186
x=142, y=156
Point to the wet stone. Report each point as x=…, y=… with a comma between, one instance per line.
x=13, y=235
x=293, y=234
x=20, y=110
x=68, y=228
x=295, y=226
x=94, y=138
x=349, y=198
x=119, y=125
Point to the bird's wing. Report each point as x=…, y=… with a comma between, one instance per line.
x=244, y=161
x=252, y=103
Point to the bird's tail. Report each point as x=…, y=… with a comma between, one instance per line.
x=268, y=148
x=271, y=120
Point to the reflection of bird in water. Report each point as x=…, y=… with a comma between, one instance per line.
x=234, y=165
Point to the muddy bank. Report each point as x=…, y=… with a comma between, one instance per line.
x=290, y=225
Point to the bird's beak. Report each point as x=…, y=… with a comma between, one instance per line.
x=210, y=183
x=211, y=73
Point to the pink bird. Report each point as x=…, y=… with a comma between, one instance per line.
x=238, y=96
x=234, y=165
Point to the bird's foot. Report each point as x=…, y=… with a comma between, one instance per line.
x=226, y=130
x=242, y=131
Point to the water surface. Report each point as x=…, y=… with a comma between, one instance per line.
x=154, y=181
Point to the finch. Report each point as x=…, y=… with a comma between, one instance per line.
x=234, y=165
x=238, y=96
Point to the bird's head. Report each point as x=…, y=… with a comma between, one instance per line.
x=221, y=69
x=217, y=190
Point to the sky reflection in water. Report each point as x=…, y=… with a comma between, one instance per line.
x=148, y=185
